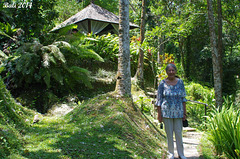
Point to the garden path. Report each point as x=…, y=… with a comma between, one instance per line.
x=191, y=140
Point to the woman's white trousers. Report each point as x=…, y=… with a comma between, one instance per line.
x=174, y=125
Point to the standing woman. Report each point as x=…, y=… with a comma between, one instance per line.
x=171, y=106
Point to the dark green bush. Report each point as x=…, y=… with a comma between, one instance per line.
x=53, y=70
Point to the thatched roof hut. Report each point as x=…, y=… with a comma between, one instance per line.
x=94, y=19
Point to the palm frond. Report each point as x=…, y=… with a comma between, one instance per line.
x=57, y=75
x=36, y=46
x=88, y=53
x=57, y=53
x=79, y=70
x=81, y=75
x=2, y=54
x=46, y=60
x=27, y=47
x=53, y=52
x=62, y=44
x=26, y=63
x=46, y=78
x=65, y=30
x=4, y=34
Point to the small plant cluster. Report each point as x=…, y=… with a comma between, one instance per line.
x=145, y=104
x=223, y=130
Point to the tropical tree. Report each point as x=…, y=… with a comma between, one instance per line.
x=215, y=56
x=123, y=85
x=139, y=73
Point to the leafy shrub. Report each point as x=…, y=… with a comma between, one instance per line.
x=196, y=91
x=106, y=46
x=196, y=112
x=53, y=69
x=145, y=104
x=223, y=129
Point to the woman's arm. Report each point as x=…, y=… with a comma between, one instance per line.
x=159, y=101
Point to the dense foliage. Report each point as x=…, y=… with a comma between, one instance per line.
x=52, y=70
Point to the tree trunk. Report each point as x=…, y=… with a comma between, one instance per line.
x=220, y=43
x=123, y=85
x=215, y=57
x=182, y=53
x=188, y=63
x=139, y=76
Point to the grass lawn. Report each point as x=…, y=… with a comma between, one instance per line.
x=102, y=127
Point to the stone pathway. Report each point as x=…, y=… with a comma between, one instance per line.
x=191, y=140
x=61, y=110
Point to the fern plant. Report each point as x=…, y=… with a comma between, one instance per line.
x=36, y=63
x=53, y=68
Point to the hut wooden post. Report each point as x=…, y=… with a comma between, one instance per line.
x=89, y=26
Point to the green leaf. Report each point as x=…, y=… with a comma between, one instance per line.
x=62, y=44
x=4, y=34
x=57, y=75
x=79, y=69
x=57, y=53
x=1, y=68
x=88, y=53
x=3, y=54
x=47, y=78
x=46, y=60
x=65, y=30
x=81, y=75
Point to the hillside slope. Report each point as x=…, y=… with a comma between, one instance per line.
x=120, y=127
x=102, y=127
x=13, y=120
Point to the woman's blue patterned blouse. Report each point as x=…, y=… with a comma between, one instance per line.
x=171, y=98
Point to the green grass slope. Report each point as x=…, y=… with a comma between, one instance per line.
x=102, y=127
x=13, y=121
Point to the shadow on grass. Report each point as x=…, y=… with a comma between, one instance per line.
x=76, y=143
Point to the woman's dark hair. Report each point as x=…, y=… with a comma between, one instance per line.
x=171, y=65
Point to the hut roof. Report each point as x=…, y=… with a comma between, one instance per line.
x=95, y=13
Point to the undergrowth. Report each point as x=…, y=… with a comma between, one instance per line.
x=13, y=120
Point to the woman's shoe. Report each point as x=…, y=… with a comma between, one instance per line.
x=170, y=156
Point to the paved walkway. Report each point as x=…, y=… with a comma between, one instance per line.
x=191, y=140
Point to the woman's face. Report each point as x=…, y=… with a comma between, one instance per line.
x=171, y=72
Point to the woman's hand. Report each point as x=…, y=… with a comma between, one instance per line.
x=160, y=119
